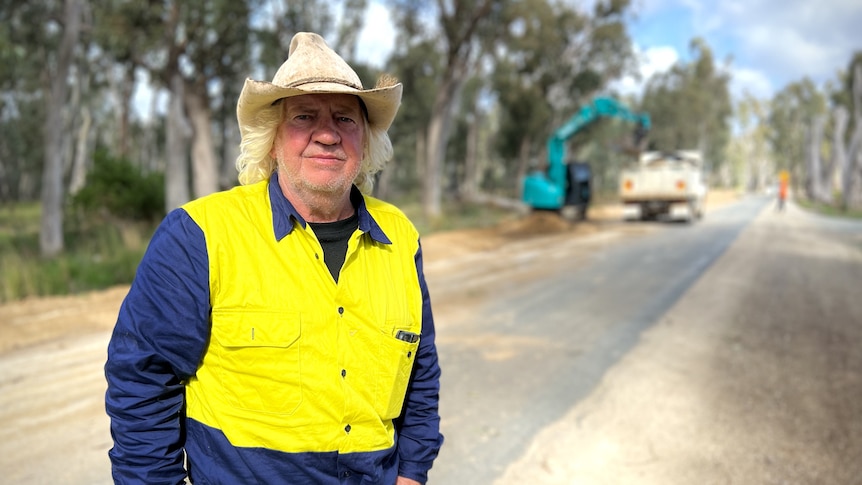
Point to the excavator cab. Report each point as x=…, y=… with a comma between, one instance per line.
x=579, y=188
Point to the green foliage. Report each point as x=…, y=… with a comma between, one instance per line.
x=832, y=210
x=793, y=109
x=416, y=65
x=690, y=106
x=843, y=95
x=97, y=255
x=21, y=147
x=554, y=59
x=121, y=190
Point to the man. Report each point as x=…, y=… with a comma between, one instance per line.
x=281, y=332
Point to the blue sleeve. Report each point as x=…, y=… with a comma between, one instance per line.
x=419, y=437
x=160, y=335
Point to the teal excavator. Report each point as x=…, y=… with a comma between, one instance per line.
x=568, y=185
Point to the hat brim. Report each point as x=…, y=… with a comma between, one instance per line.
x=382, y=103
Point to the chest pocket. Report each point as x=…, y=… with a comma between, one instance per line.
x=258, y=359
x=396, y=355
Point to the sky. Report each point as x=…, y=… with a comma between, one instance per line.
x=769, y=43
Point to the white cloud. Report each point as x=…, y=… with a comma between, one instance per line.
x=652, y=61
x=751, y=81
x=377, y=38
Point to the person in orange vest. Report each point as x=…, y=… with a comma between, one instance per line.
x=783, y=179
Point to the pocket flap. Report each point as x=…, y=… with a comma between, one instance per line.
x=256, y=328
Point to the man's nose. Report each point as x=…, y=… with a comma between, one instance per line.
x=326, y=132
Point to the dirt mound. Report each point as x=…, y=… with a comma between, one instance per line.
x=535, y=223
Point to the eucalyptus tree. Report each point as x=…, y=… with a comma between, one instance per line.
x=40, y=41
x=351, y=23
x=794, y=110
x=454, y=36
x=750, y=162
x=197, y=52
x=552, y=59
x=416, y=62
x=690, y=106
x=274, y=23
x=460, y=22
x=847, y=136
x=23, y=53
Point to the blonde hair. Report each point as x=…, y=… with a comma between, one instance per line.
x=254, y=162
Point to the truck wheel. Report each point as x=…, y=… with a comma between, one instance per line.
x=693, y=212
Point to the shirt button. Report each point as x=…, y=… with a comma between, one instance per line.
x=343, y=372
x=341, y=310
x=347, y=428
x=346, y=474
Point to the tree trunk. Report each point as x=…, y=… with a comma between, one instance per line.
x=421, y=153
x=382, y=188
x=470, y=183
x=436, y=149
x=205, y=169
x=127, y=85
x=437, y=141
x=850, y=168
x=176, y=166
x=82, y=152
x=150, y=149
x=853, y=169
x=523, y=163
x=51, y=234
x=229, y=149
x=815, y=169
x=839, y=153
x=459, y=30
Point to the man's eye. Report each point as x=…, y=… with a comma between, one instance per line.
x=345, y=119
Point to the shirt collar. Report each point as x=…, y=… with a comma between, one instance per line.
x=283, y=213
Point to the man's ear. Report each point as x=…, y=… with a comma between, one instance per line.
x=272, y=151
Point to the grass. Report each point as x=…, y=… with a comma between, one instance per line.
x=829, y=210
x=97, y=254
x=457, y=215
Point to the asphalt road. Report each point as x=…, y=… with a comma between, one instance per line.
x=549, y=321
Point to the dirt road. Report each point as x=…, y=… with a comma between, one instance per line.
x=753, y=378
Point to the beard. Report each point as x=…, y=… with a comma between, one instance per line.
x=321, y=195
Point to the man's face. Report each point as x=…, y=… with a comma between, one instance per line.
x=319, y=144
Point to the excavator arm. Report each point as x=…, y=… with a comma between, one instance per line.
x=547, y=190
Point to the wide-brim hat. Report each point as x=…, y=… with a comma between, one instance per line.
x=312, y=67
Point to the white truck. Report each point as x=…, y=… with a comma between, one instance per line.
x=664, y=184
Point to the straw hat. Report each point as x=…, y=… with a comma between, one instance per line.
x=312, y=67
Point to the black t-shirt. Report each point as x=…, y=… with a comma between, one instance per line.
x=333, y=237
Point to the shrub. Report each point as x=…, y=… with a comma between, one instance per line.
x=116, y=187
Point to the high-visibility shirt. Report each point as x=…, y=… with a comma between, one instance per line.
x=236, y=346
